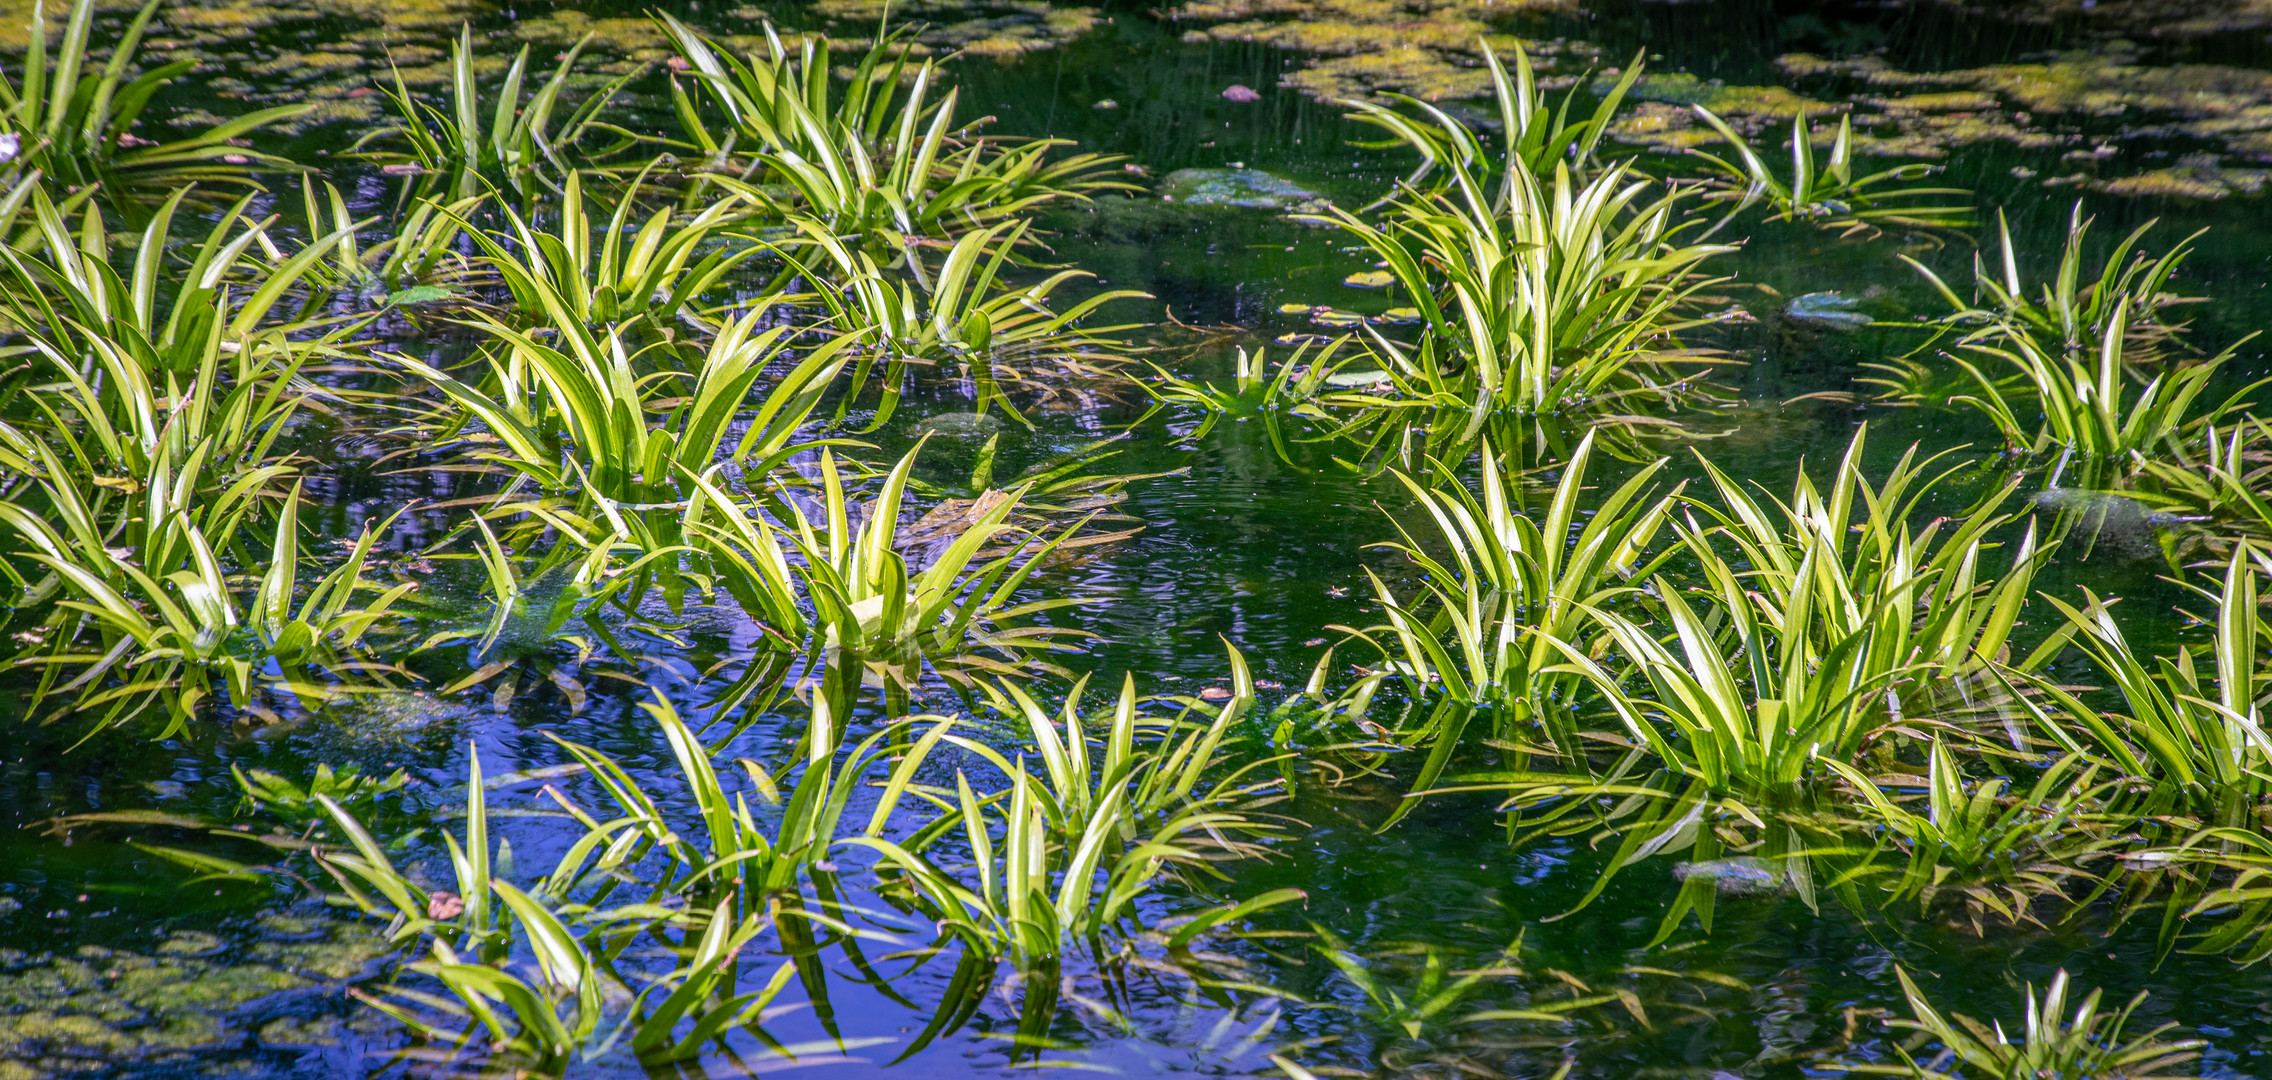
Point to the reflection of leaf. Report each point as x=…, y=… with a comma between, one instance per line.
x=1369, y=279
x=208, y=867
x=418, y=294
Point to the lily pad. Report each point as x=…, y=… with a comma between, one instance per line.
x=1337, y=320
x=1370, y=279
x=1397, y=316
x=1293, y=309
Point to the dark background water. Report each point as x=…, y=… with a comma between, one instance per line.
x=1239, y=546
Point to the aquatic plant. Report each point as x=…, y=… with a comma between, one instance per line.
x=166, y=616
x=1076, y=786
x=733, y=853
x=580, y=382
x=2089, y=411
x=2067, y=313
x=1254, y=391
x=1513, y=586
x=75, y=129
x=348, y=786
x=64, y=289
x=458, y=155
x=961, y=310
x=1533, y=137
x=1813, y=644
x=1998, y=852
x=1830, y=193
x=2226, y=484
x=111, y=425
x=1430, y=995
x=643, y=284
x=420, y=251
x=871, y=610
x=1854, y=545
x=2205, y=751
x=2088, y=1043
x=1079, y=846
x=871, y=165
x=1558, y=296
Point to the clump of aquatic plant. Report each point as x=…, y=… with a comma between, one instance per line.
x=2225, y=483
x=2203, y=748
x=1535, y=136
x=959, y=311
x=418, y=262
x=1254, y=391
x=1060, y=859
x=110, y=425
x=1925, y=596
x=731, y=852
x=1078, y=781
x=1412, y=1008
x=874, y=612
x=164, y=620
x=1554, y=296
x=280, y=796
x=1998, y=852
x=162, y=318
x=641, y=282
x=2090, y=405
x=570, y=412
x=2088, y=1043
x=2069, y=313
x=881, y=168
x=459, y=152
x=473, y=935
x=74, y=127
x=1483, y=634
x=1816, y=644
x=1829, y=192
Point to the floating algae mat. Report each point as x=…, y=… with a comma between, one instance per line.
x=1046, y=535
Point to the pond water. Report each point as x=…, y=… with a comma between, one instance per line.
x=118, y=958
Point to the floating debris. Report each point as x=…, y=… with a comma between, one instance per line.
x=1240, y=93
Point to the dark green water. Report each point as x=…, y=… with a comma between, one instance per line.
x=1237, y=545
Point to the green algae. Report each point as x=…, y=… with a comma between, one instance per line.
x=188, y=999
x=1429, y=49
x=2229, y=107
x=1001, y=29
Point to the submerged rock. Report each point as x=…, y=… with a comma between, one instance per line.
x=1251, y=188
x=1831, y=309
x=2115, y=523
x=1740, y=875
x=959, y=425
